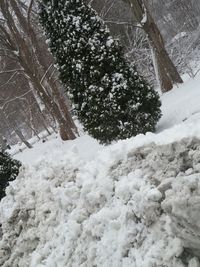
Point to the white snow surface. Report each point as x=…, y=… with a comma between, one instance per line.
x=135, y=203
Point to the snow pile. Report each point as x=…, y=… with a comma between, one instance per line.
x=138, y=208
x=135, y=203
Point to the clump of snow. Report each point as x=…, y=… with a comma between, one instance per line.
x=117, y=209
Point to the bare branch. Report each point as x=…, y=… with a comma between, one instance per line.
x=10, y=71
x=29, y=11
x=123, y=23
x=45, y=74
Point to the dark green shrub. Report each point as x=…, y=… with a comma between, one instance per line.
x=110, y=98
x=9, y=169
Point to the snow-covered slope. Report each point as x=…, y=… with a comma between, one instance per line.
x=133, y=203
x=181, y=104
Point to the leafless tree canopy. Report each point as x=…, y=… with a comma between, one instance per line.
x=28, y=64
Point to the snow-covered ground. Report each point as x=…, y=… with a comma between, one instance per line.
x=135, y=203
x=181, y=104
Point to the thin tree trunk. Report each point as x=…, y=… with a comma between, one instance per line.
x=41, y=116
x=29, y=123
x=22, y=138
x=16, y=130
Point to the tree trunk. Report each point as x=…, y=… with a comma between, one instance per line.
x=22, y=138
x=163, y=80
x=167, y=71
x=64, y=109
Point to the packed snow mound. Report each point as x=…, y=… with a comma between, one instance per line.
x=139, y=208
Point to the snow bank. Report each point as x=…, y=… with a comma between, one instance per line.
x=135, y=203
x=128, y=206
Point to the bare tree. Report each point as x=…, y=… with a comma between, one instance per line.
x=19, y=39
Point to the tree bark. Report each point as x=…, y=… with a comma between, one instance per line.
x=164, y=82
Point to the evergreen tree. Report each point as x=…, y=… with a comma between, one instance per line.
x=110, y=98
x=9, y=169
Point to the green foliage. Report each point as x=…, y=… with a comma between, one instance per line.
x=110, y=98
x=9, y=169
